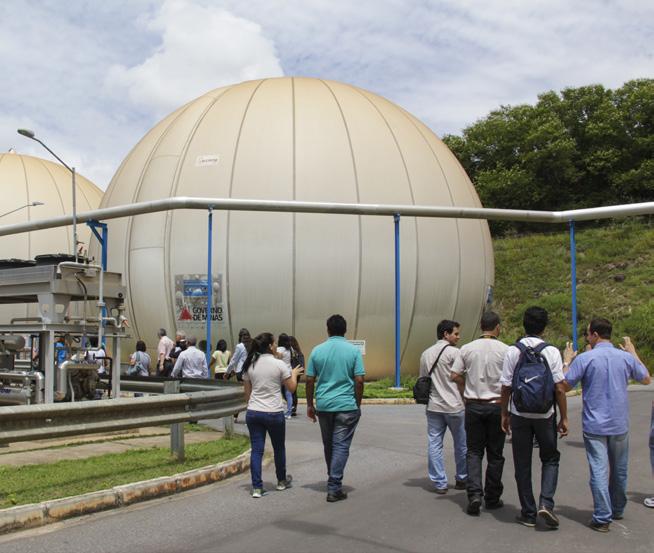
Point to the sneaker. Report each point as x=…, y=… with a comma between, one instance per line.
x=526, y=521
x=440, y=491
x=649, y=502
x=602, y=527
x=287, y=417
x=548, y=516
x=494, y=505
x=258, y=492
x=284, y=484
x=474, y=505
x=340, y=495
x=617, y=516
x=460, y=485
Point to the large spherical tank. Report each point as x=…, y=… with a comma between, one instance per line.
x=310, y=140
x=23, y=180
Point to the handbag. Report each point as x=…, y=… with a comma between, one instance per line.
x=422, y=387
x=137, y=367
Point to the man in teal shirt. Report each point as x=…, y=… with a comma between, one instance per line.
x=335, y=370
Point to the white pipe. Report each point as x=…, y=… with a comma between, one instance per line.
x=231, y=204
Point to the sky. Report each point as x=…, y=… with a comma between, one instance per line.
x=91, y=78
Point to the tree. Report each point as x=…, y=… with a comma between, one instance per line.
x=583, y=147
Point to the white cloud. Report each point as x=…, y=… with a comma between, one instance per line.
x=201, y=48
x=93, y=78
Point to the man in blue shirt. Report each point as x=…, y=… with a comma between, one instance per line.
x=335, y=370
x=604, y=373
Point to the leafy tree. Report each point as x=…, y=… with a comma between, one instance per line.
x=582, y=147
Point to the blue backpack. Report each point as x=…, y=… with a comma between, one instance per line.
x=533, y=384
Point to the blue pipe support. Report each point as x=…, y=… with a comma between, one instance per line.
x=209, y=285
x=103, y=240
x=573, y=278
x=396, y=219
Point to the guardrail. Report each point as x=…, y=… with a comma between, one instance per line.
x=44, y=421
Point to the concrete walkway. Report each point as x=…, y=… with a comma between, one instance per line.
x=390, y=508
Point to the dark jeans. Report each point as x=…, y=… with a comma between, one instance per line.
x=523, y=431
x=258, y=424
x=484, y=435
x=337, y=431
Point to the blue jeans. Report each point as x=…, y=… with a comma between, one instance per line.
x=288, y=396
x=608, y=458
x=258, y=424
x=337, y=430
x=437, y=423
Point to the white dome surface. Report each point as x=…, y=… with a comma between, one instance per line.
x=25, y=179
x=310, y=140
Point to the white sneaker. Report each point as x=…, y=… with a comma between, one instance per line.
x=649, y=502
x=284, y=484
x=258, y=492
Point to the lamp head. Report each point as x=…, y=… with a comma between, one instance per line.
x=26, y=132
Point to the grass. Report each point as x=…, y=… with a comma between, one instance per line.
x=615, y=280
x=35, y=483
x=378, y=389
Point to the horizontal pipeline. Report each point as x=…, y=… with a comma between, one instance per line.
x=231, y=204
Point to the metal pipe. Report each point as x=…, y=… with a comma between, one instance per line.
x=396, y=219
x=227, y=204
x=573, y=279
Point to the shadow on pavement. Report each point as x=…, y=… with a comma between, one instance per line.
x=423, y=483
x=313, y=529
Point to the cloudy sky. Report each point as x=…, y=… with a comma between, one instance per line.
x=93, y=77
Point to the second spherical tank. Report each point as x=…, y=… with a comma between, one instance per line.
x=311, y=140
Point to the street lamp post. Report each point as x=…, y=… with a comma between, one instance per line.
x=31, y=204
x=30, y=134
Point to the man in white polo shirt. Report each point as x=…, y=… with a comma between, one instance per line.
x=479, y=369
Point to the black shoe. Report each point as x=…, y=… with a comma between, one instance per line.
x=460, y=485
x=617, y=517
x=340, y=495
x=548, y=516
x=474, y=505
x=602, y=527
x=526, y=521
x=293, y=414
x=494, y=505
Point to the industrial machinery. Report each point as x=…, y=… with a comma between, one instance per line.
x=79, y=307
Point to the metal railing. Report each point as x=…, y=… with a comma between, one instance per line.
x=45, y=421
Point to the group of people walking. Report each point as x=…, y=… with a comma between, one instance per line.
x=334, y=378
x=488, y=390
x=483, y=392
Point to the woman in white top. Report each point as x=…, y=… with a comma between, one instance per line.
x=263, y=377
x=240, y=353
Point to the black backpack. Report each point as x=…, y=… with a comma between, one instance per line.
x=422, y=387
x=532, y=385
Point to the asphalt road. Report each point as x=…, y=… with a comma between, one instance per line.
x=390, y=508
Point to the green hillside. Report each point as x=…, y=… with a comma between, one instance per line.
x=615, y=280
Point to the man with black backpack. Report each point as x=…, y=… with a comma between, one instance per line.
x=532, y=384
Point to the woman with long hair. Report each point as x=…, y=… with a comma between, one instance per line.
x=240, y=353
x=284, y=353
x=220, y=360
x=297, y=360
x=263, y=377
